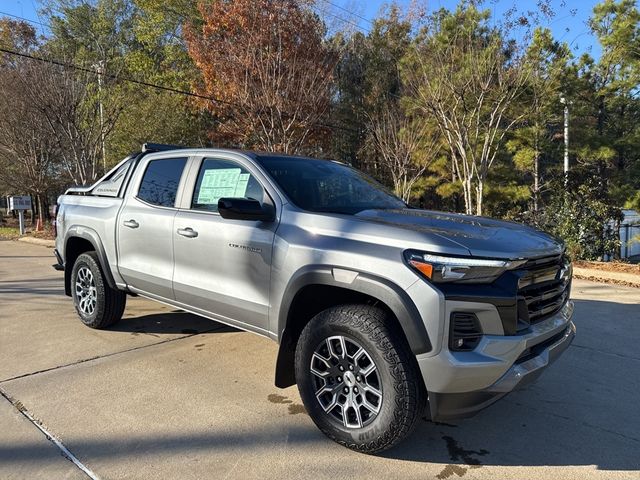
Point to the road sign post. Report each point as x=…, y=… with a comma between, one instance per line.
x=20, y=203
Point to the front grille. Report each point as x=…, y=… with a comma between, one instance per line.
x=544, y=287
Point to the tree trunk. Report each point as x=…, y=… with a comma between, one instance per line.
x=536, y=182
x=468, y=197
x=40, y=210
x=479, y=192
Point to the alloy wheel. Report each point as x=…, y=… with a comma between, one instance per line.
x=346, y=380
x=86, y=292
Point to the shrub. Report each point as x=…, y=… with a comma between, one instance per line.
x=582, y=215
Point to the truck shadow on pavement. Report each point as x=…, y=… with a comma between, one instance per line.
x=169, y=323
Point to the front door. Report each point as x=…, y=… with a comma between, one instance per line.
x=145, y=226
x=223, y=266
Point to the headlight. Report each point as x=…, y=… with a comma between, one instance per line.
x=441, y=269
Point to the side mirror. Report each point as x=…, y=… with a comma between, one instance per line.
x=245, y=209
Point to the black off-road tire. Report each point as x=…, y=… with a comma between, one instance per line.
x=109, y=303
x=402, y=389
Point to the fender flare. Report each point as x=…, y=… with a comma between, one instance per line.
x=85, y=233
x=394, y=297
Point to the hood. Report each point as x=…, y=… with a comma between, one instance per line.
x=483, y=237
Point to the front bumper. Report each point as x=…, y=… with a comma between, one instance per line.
x=462, y=383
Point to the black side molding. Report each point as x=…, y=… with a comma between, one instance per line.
x=158, y=147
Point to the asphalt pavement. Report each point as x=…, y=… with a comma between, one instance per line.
x=165, y=394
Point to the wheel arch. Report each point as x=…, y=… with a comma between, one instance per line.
x=317, y=288
x=79, y=240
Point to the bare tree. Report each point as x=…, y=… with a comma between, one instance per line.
x=27, y=150
x=405, y=147
x=69, y=102
x=467, y=79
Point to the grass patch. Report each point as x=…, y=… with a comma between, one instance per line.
x=9, y=233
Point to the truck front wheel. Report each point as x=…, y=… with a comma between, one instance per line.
x=358, y=379
x=97, y=304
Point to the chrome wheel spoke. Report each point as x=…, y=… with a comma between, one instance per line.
x=327, y=406
x=331, y=405
x=368, y=370
x=351, y=417
x=332, y=351
x=372, y=390
x=370, y=406
x=320, y=373
x=343, y=347
x=358, y=354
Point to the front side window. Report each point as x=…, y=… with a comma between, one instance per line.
x=160, y=181
x=326, y=186
x=223, y=179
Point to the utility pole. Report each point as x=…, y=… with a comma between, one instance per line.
x=566, y=104
x=99, y=67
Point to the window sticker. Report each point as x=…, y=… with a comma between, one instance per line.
x=241, y=186
x=222, y=182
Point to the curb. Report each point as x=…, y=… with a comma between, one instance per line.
x=37, y=241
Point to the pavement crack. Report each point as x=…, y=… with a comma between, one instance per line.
x=64, y=451
x=106, y=355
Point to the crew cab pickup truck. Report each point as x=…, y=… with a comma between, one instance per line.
x=382, y=312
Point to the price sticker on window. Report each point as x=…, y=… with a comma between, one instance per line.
x=220, y=183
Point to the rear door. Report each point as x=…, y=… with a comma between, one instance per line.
x=145, y=225
x=223, y=266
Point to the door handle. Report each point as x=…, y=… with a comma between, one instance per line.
x=131, y=224
x=187, y=232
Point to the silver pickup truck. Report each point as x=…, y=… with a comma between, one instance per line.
x=382, y=312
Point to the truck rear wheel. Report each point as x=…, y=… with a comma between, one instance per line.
x=97, y=304
x=358, y=379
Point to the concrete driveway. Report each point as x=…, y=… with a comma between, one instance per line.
x=165, y=394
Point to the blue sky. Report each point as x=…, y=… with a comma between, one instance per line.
x=569, y=23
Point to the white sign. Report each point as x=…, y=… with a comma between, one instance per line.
x=22, y=202
x=222, y=182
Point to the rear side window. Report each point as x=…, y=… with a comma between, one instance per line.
x=160, y=181
x=112, y=185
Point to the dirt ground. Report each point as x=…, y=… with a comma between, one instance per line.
x=609, y=266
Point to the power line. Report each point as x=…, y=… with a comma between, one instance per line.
x=342, y=19
x=112, y=76
x=153, y=85
x=348, y=11
x=26, y=19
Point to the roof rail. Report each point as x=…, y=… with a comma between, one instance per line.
x=158, y=147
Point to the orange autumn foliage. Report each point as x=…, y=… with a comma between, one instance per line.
x=268, y=63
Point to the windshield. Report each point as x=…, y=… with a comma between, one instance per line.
x=326, y=186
